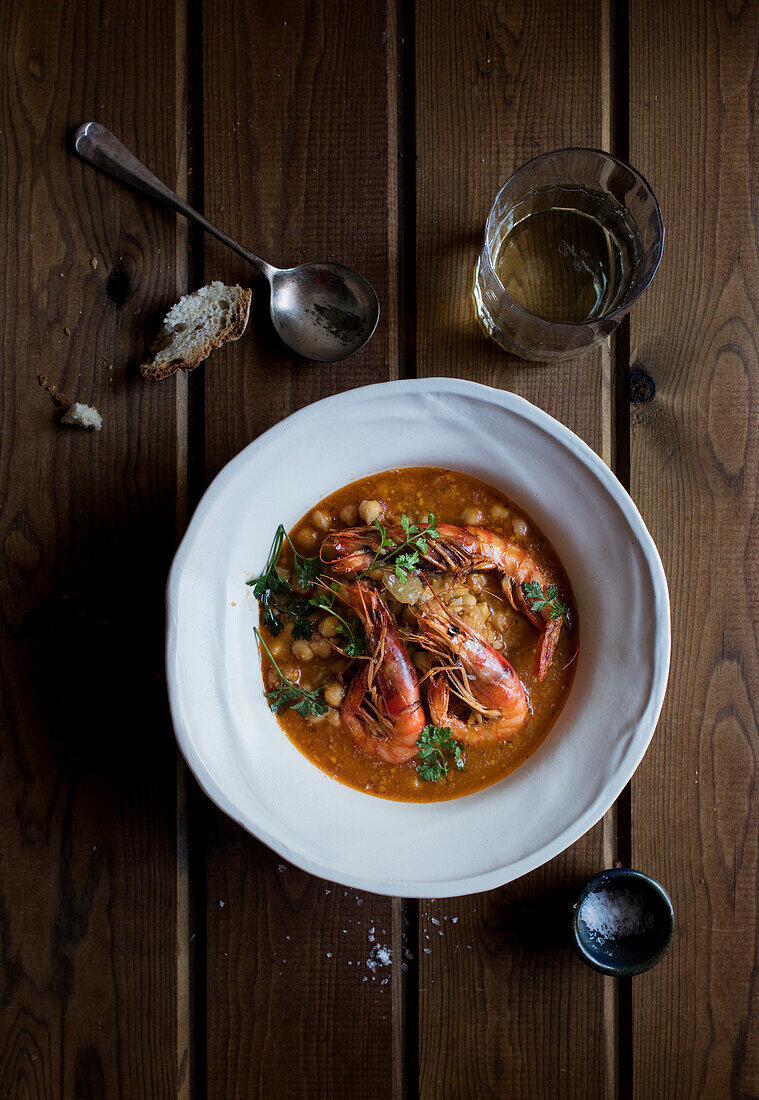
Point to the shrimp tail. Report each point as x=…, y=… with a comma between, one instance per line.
x=546, y=647
x=438, y=697
x=356, y=718
x=549, y=630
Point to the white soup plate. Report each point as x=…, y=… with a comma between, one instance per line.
x=238, y=752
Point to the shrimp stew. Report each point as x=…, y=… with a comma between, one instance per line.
x=417, y=634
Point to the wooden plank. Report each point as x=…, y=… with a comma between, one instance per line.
x=505, y=1009
x=87, y=526
x=300, y=162
x=695, y=452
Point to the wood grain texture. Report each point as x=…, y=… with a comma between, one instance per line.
x=504, y=1007
x=300, y=144
x=87, y=525
x=497, y=84
x=695, y=457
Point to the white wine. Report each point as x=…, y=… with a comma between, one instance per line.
x=562, y=262
x=571, y=240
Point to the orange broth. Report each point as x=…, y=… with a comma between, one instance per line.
x=445, y=493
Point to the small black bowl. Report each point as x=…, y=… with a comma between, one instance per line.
x=632, y=951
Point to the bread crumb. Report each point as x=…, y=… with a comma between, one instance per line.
x=82, y=416
x=94, y=263
x=67, y=331
x=59, y=399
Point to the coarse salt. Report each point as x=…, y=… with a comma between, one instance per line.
x=610, y=914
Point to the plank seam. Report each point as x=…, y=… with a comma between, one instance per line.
x=196, y=808
x=620, y=457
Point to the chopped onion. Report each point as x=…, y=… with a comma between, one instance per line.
x=409, y=591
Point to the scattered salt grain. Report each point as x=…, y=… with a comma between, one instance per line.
x=454, y=920
x=281, y=867
x=434, y=920
x=610, y=914
x=221, y=904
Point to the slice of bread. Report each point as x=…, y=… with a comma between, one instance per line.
x=197, y=324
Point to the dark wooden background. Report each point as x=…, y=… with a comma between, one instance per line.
x=150, y=948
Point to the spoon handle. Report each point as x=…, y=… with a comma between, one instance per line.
x=101, y=148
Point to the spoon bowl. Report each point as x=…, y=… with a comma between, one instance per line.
x=323, y=311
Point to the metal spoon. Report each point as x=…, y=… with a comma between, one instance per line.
x=322, y=311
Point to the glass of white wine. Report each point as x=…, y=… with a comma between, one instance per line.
x=573, y=238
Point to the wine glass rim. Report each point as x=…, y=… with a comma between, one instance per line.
x=613, y=314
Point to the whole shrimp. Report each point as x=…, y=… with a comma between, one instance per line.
x=383, y=707
x=461, y=550
x=475, y=672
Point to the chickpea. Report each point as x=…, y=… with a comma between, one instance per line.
x=349, y=515
x=315, y=719
x=333, y=717
x=519, y=525
x=471, y=516
x=477, y=582
x=277, y=647
x=307, y=538
x=329, y=626
x=321, y=520
x=498, y=511
x=370, y=510
x=334, y=694
x=321, y=647
x=272, y=679
x=302, y=650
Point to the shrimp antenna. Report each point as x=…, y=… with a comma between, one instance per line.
x=435, y=597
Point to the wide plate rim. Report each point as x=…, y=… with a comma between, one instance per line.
x=493, y=878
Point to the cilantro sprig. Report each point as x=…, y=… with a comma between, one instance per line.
x=438, y=751
x=354, y=643
x=278, y=599
x=403, y=556
x=289, y=696
x=549, y=600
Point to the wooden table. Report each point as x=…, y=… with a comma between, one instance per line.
x=149, y=947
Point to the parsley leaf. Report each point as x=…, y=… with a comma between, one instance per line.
x=289, y=696
x=404, y=563
x=549, y=601
x=355, y=642
x=279, y=601
x=403, y=556
x=409, y=528
x=436, y=745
